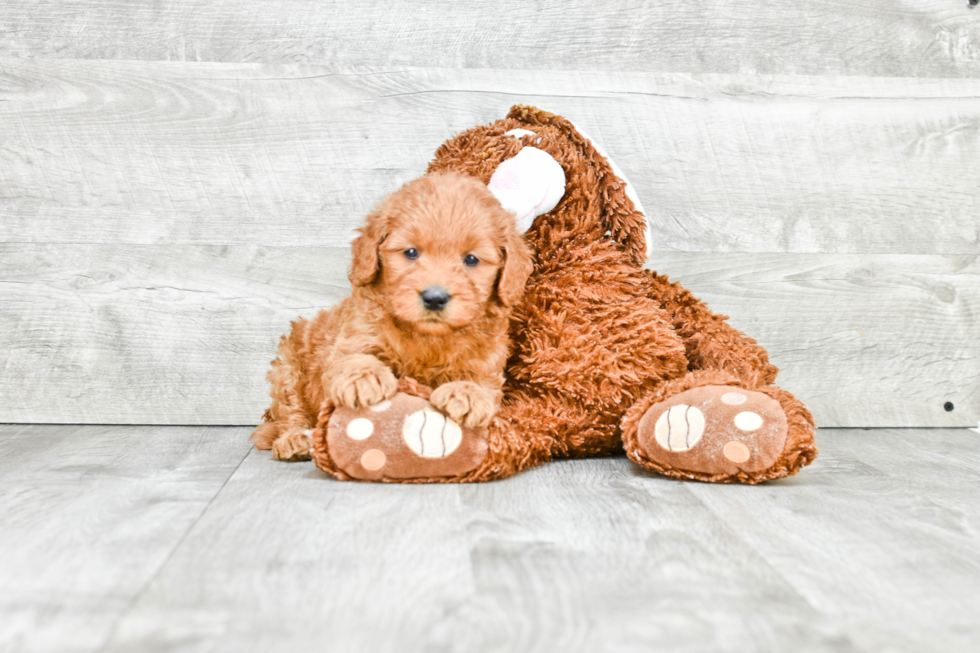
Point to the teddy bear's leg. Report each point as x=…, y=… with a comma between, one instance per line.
x=710, y=342
x=709, y=425
x=722, y=421
x=537, y=427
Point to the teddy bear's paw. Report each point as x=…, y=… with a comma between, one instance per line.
x=714, y=431
x=403, y=438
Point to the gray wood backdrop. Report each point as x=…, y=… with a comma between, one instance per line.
x=178, y=180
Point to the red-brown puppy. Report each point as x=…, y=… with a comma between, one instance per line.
x=434, y=272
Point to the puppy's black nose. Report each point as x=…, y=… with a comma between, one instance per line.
x=435, y=298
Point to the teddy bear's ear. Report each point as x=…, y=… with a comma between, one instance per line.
x=622, y=215
x=364, y=263
x=529, y=184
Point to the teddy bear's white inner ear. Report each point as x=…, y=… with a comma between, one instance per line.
x=529, y=184
x=630, y=192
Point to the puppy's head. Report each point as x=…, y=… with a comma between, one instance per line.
x=442, y=252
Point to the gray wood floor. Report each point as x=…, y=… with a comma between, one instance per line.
x=126, y=538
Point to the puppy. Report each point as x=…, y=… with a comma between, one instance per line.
x=435, y=270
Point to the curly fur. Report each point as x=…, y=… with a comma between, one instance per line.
x=597, y=338
x=352, y=354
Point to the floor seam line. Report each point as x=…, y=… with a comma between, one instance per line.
x=170, y=555
x=737, y=535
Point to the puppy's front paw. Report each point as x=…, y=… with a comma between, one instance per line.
x=362, y=380
x=292, y=446
x=466, y=402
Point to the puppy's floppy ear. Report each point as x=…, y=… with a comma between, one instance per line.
x=518, y=264
x=364, y=264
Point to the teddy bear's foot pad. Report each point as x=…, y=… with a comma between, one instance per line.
x=714, y=430
x=402, y=438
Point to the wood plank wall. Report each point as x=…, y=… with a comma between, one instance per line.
x=178, y=181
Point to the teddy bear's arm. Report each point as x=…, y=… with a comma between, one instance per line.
x=710, y=342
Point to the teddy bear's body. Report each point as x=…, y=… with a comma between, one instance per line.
x=608, y=356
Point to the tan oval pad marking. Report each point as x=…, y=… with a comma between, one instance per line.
x=373, y=460
x=736, y=452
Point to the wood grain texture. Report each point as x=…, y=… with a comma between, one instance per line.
x=184, y=334
x=863, y=340
x=88, y=516
x=373, y=568
x=872, y=548
x=295, y=155
x=938, y=38
x=894, y=491
x=151, y=334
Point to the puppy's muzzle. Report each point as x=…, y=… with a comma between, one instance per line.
x=435, y=298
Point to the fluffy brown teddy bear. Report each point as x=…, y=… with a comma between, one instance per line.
x=607, y=356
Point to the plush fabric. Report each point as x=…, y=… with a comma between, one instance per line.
x=598, y=341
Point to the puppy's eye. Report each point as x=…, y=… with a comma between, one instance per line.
x=470, y=260
x=411, y=253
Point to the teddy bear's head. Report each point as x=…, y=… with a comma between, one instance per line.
x=560, y=186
